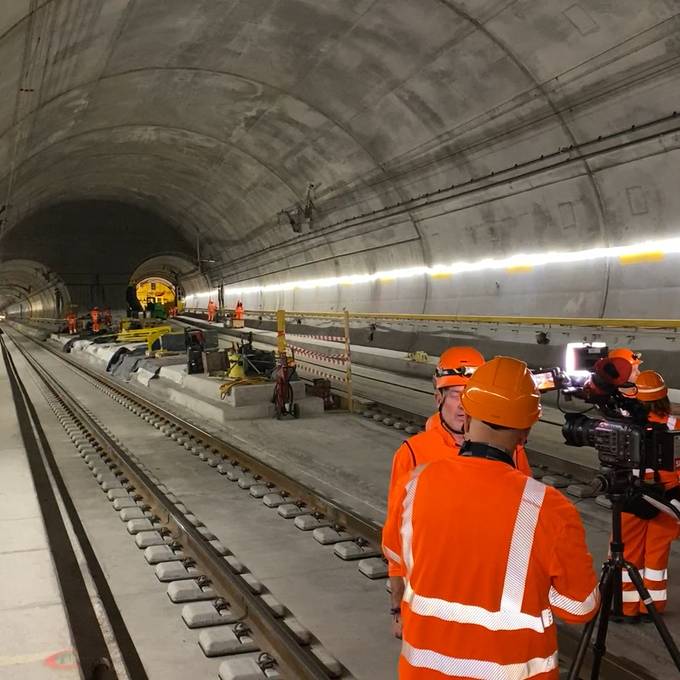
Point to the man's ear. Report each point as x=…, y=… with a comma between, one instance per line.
x=438, y=398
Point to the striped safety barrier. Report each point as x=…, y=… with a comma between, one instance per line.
x=322, y=374
x=326, y=338
x=331, y=358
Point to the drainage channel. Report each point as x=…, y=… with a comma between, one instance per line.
x=294, y=500
x=236, y=615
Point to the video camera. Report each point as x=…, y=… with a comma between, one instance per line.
x=622, y=437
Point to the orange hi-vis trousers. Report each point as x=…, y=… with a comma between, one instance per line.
x=647, y=544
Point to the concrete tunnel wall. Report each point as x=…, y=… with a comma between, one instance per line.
x=525, y=126
x=28, y=288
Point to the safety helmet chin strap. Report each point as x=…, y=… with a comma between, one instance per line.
x=441, y=417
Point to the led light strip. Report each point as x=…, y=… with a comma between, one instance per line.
x=638, y=252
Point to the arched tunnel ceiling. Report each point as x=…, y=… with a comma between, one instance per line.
x=215, y=115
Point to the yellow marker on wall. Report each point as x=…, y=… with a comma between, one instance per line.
x=637, y=258
x=519, y=269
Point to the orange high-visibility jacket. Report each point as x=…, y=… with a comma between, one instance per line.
x=490, y=556
x=647, y=542
x=433, y=444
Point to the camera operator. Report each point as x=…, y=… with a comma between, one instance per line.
x=635, y=361
x=443, y=438
x=648, y=533
x=489, y=554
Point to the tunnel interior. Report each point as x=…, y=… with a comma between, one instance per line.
x=279, y=144
x=155, y=290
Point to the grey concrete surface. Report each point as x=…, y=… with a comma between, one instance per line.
x=167, y=648
x=298, y=570
x=33, y=625
x=317, y=451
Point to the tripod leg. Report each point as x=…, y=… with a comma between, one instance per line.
x=656, y=617
x=607, y=594
x=606, y=583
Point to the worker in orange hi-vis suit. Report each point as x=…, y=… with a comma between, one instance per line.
x=212, y=310
x=442, y=438
x=647, y=535
x=94, y=316
x=238, y=320
x=491, y=556
x=72, y=322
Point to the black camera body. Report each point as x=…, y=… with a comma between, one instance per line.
x=624, y=444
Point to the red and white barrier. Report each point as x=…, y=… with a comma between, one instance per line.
x=326, y=338
x=340, y=359
x=322, y=374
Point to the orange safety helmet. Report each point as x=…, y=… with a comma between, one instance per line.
x=633, y=358
x=502, y=392
x=456, y=365
x=650, y=386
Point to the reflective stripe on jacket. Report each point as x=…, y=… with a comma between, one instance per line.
x=433, y=444
x=489, y=557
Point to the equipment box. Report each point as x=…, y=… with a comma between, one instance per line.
x=215, y=361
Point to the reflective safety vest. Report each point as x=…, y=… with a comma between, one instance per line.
x=433, y=444
x=490, y=556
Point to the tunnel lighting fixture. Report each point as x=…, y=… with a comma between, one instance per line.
x=646, y=251
x=570, y=356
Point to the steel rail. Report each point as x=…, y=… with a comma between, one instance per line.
x=295, y=659
x=613, y=667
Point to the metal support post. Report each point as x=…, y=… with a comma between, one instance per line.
x=348, y=365
x=281, y=332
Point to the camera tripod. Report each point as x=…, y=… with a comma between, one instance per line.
x=610, y=593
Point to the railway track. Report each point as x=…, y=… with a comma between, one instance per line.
x=167, y=518
x=259, y=624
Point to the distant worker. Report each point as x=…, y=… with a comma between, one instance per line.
x=94, y=316
x=239, y=316
x=72, y=322
x=490, y=555
x=442, y=439
x=648, y=533
x=212, y=310
x=108, y=318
